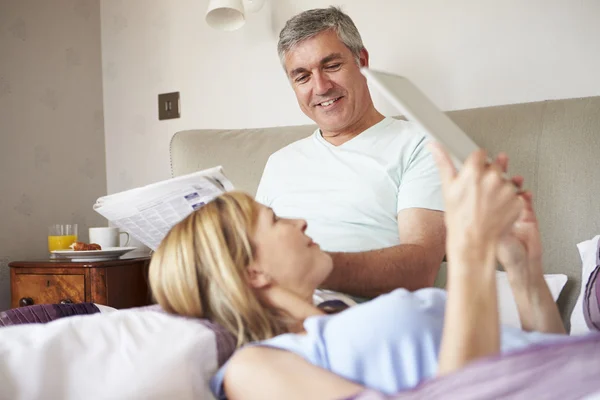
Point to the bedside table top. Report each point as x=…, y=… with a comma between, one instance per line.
x=65, y=263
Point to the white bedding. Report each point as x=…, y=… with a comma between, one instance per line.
x=119, y=355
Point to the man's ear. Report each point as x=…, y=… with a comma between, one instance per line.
x=257, y=279
x=363, y=58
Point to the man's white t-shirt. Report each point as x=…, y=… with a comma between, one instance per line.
x=351, y=194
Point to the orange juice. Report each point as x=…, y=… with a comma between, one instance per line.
x=61, y=242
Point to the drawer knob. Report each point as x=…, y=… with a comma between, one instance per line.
x=25, y=301
x=66, y=301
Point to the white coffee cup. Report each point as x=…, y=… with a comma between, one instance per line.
x=107, y=237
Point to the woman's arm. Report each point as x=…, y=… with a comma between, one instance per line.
x=520, y=252
x=471, y=324
x=480, y=207
x=537, y=309
x=263, y=373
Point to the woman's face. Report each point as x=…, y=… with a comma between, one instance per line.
x=286, y=256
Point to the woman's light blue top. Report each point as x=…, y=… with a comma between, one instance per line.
x=389, y=344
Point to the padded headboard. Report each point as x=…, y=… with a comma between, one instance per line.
x=555, y=145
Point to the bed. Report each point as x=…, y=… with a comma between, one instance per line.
x=145, y=353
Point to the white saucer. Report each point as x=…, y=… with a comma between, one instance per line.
x=108, y=253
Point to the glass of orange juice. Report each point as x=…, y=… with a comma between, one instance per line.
x=61, y=236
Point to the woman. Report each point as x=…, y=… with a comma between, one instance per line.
x=565, y=369
x=235, y=262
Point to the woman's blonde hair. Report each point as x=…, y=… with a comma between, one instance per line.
x=200, y=269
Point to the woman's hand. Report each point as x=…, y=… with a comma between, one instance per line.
x=520, y=249
x=481, y=206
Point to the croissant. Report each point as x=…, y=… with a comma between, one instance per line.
x=81, y=246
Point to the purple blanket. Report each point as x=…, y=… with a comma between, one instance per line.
x=42, y=313
x=569, y=369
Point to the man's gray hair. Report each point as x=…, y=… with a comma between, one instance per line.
x=312, y=22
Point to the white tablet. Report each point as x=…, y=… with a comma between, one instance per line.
x=415, y=106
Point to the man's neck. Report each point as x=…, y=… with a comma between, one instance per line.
x=371, y=118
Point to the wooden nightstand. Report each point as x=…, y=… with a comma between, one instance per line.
x=121, y=283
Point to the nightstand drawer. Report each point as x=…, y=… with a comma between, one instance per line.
x=48, y=289
x=121, y=283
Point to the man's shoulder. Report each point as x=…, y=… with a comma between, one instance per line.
x=409, y=129
x=397, y=136
x=292, y=148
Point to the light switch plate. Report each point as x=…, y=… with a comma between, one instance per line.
x=168, y=106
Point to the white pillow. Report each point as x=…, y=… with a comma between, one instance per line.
x=587, y=252
x=509, y=314
x=128, y=354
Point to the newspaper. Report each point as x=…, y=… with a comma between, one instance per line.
x=148, y=213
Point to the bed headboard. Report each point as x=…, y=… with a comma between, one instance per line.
x=554, y=144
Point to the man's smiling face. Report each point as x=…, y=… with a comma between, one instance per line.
x=327, y=81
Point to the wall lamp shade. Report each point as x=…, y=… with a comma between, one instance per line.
x=229, y=15
x=225, y=15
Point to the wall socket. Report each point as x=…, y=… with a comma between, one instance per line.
x=169, y=106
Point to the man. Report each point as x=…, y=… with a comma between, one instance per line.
x=365, y=183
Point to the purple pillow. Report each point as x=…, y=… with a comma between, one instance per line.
x=591, y=298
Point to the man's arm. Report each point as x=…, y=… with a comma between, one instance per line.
x=413, y=264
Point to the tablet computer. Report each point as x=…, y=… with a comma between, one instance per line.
x=415, y=106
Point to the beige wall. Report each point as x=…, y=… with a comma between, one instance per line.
x=52, y=158
x=463, y=53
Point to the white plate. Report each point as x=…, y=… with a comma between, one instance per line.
x=108, y=253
